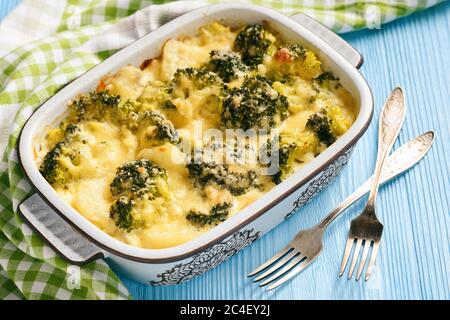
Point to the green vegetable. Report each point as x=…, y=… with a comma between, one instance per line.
x=227, y=64
x=283, y=151
x=54, y=165
x=104, y=99
x=135, y=181
x=238, y=183
x=253, y=43
x=51, y=168
x=80, y=106
x=139, y=179
x=254, y=105
x=165, y=131
x=321, y=125
x=218, y=213
x=286, y=149
x=284, y=154
x=296, y=51
x=156, y=95
x=326, y=79
x=69, y=128
x=201, y=78
x=102, y=104
x=121, y=213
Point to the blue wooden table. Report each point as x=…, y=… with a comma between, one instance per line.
x=414, y=257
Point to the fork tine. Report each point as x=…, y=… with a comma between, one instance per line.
x=363, y=259
x=288, y=266
x=347, y=251
x=355, y=257
x=281, y=262
x=299, y=268
x=277, y=256
x=373, y=256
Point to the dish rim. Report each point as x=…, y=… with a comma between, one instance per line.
x=240, y=219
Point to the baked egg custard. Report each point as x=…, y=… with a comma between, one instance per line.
x=160, y=153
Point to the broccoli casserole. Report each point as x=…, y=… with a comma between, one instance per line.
x=160, y=153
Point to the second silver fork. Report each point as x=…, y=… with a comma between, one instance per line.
x=366, y=230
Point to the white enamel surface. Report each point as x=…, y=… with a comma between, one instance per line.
x=150, y=46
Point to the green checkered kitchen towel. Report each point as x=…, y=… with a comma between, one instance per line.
x=44, y=44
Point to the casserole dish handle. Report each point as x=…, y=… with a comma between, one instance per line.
x=331, y=38
x=64, y=239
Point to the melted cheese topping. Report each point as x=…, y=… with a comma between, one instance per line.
x=106, y=144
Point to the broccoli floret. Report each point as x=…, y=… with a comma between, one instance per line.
x=320, y=124
x=104, y=99
x=254, y=105
x=283, y=150
x=100, y=105
x=291, y=52
x=238, y=183
x=139, y=179
x=69, y=128
x=296, y=51
x=284, y=154
x=121, y=213
x=253, y=43
x=339, y=122
x=164, y=129
x=326, y=79
x=227, y=64
x=201, y=78
x=122, y=112
x=52, y=167
x=157, y=95
x=294, y=59
x=186, y=81
x=286, y=149
x=218, y=213
x=80, y=106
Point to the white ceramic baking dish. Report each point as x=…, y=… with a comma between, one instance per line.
x=79, y=241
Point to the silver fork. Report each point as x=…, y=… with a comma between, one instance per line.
x=366, y=229
x=307, y=244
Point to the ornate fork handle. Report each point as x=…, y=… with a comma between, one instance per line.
x=391, y=121
x=407, y=155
